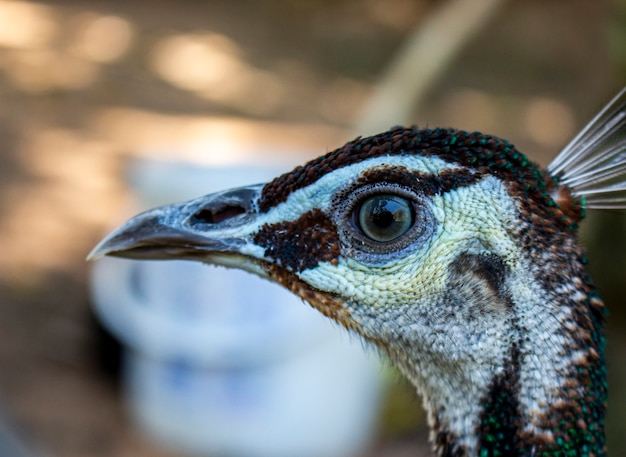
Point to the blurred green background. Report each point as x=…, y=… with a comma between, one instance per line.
x=86, y=85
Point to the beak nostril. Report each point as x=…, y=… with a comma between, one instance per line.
x=217, y=215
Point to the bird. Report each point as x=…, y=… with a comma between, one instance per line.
x=449, y=251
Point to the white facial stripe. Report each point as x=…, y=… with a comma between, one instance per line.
x=320, y=193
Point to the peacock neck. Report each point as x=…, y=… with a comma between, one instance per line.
x=526, y=408
x=547, y=396
x=510, y=359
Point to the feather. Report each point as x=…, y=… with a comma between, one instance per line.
x=593, y=164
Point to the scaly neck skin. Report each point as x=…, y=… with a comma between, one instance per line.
x=518, y=373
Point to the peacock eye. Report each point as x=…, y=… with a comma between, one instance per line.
x=385, y=217
x=380, y=221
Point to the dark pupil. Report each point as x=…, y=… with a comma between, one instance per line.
x=385, y=217
x=383, y=213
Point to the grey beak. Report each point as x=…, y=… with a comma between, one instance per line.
x=199, y=229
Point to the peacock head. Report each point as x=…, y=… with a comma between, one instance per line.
x=452, y=253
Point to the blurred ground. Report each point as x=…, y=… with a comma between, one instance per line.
x=85, y=85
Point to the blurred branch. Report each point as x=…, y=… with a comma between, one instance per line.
x=427, y=52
